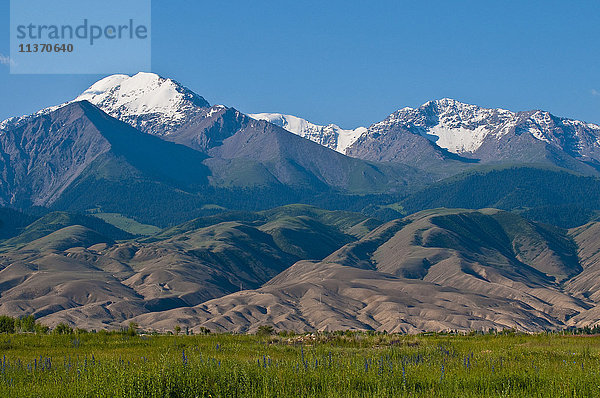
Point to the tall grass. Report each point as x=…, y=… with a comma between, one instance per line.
x=355, y=365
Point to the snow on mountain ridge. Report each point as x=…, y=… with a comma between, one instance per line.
x=331, y=135
x=160, y=106
x=144, y=100
x=462, y=128
x=151, y=103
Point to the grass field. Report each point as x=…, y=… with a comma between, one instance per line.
x=327, y=365
x=127, y=224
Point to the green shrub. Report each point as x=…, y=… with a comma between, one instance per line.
x=265, y=330
x=41, y=329
x=132, y=329
x=25, y=324
x=7, y=324
x=63, y=328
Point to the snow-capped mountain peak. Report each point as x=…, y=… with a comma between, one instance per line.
x=480, y=133
x=451, y=124
x=144, y=100
x=331, y=135
x=151, y=103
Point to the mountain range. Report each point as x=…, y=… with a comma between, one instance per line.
x=442, y=128
x=67, y=157
x=140, y=200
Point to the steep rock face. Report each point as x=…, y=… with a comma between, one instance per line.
x=163, y=107
x=44, y=155
x=295, y=161
x=40, y=158
x=399, y=145
x=459, y=128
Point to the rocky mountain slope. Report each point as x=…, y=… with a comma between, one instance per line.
x=436, y=270
x=446, y=137
x=46, y=154
x=73, y=273
x=301, y=268
x=77, y=157
x=483, y=135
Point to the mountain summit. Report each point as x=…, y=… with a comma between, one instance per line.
x=146, y=101
x=463, y=128
x=482, y=135
x=450, y=131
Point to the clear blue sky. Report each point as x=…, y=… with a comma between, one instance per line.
x=353, y=63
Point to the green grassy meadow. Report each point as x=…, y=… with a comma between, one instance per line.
x=127, y=224
x=325, y=365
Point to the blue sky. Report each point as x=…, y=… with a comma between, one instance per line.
x=353, y=63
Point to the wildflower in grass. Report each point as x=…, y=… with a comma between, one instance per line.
x=183, y=357
x=403, y=374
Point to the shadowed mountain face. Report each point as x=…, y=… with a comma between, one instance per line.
x=40, y=159
x=435, y=270
x=58, y=269
x=295, y=161
x=78, y=158
x=55, y=221
x=12, y=222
